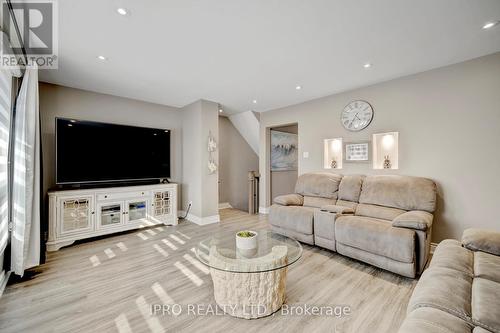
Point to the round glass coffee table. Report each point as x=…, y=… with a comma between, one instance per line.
x=250, y=282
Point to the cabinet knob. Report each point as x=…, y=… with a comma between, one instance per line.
x=93, y=212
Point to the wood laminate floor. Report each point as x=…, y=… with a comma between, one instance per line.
x=110, y=284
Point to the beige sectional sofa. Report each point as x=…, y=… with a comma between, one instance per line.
x=460, y=291
x=384, y=220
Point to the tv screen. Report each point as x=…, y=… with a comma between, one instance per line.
x=91, y=152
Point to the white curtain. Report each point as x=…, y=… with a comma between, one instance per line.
x=26, y=188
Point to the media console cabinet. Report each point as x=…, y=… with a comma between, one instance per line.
x=84, y=213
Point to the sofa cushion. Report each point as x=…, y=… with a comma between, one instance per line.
x=444, y=289
x=318, y=184
x=482, y=240
x=350, y=187
x=403, y=192
x=378, y=212
x=294, y=218
x=337, y=209
x=486, y=304
x=415, y=219
x=345, y=203
x=430, y=320
x=450, y=254
x=486, y=266
x=318, y=202
x=289, y=200
x=377, y=237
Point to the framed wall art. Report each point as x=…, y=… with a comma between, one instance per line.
x=357, y=151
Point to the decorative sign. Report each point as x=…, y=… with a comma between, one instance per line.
x=357, y=152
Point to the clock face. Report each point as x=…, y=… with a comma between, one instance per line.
x=357, y=115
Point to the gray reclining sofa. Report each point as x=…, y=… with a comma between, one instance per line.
x=383, y=220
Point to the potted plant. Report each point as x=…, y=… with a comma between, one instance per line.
x=246, y=240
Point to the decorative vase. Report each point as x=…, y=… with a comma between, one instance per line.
x=387, y=162
x=334, y=164
x=247, y=242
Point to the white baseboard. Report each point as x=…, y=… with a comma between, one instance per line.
x=433, y=247
x=263, y=210
x=225, y=205
x=203, y=220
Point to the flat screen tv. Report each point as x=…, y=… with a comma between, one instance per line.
x=93, y=152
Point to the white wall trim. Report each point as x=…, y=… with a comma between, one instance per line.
x=225, y=205
x=203, y=220
x=263, y=210
x=433, y=247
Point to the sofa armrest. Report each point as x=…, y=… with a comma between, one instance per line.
x=337, y=209
x=414, y=219
x=482, y=240
x=289, y=200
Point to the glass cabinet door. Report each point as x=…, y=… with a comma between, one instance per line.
x=75, y=215
x=162, y=203
x=137, y=210
x=110, y=214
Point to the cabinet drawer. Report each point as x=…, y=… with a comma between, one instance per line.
x=122, y=195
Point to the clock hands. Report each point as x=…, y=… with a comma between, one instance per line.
x=355, y=116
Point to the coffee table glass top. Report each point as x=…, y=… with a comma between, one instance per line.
x=271, y=251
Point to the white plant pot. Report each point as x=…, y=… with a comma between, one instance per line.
x=246, y=243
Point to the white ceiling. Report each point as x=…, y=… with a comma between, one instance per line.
x=174, y=52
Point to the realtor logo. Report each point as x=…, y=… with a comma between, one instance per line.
x=37, y=28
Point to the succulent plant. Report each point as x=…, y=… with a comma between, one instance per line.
x=245, y=234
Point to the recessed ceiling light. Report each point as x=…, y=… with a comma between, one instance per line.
x=220, y=110
x=122, y=11
x=102, y=58
x=490, y=25
x=254, y=101
x=298, y=87
x=367, y=65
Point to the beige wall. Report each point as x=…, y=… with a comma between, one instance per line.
x=190, y=127
x=199, y=119
x=58, y=101
x=283, y=182
x=448, y=121
x=236, y=159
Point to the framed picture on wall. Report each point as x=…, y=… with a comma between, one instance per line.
x=284, y=151
x=357, y=151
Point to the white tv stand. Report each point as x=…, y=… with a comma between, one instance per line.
x=83, y=213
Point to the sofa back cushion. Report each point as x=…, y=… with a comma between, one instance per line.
x=350, y=187
x=318, y=202
x=318, y=184
x=345, y=203
x=378, y=212
x=402, y=192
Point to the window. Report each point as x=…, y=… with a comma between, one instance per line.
x=5, y=120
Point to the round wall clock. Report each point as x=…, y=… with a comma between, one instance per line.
x=356, y=116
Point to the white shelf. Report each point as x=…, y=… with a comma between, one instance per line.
x=386, y=145
x=333, y=152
